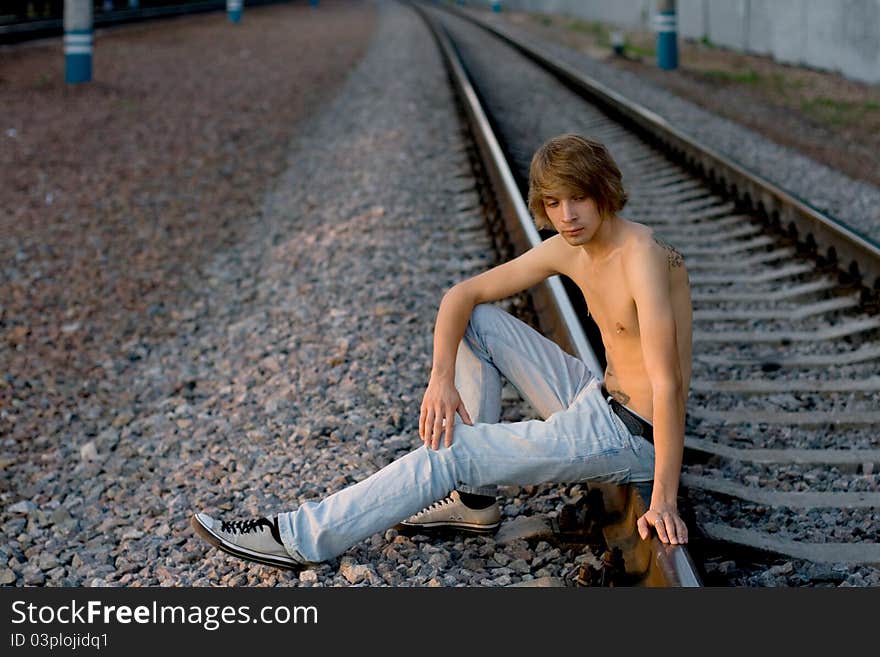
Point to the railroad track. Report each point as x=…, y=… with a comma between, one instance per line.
x=606, y=513
x=781, y=435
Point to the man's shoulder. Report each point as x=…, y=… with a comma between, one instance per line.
x=641, y=238
x=557, y=246
x=644, y=242
x=559, y=252
x=638, y=239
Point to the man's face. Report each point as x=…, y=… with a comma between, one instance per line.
x=575, y=217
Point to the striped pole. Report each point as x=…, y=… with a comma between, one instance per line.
x=78, y=41
x=233, y=10
x=667, y=35
x=618, y=43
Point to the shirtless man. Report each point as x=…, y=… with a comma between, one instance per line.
x=636, y=288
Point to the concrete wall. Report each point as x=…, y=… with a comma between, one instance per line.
x=835, y=35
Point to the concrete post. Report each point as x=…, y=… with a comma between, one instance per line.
x=618, y=43
x=78, y=41
x=667, y=35
x=234, y=9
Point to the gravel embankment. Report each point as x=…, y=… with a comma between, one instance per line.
x=118, y=193
x=290, y=365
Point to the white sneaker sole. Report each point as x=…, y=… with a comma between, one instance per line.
x=243, y=553
x=477, y=528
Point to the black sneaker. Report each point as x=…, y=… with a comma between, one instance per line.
x=257, y=539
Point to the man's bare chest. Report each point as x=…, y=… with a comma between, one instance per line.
x=610, y=303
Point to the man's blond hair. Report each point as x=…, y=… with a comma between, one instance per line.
x=572, y=165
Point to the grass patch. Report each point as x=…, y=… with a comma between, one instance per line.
x=638, y=51
x=597, y=30
x=750, y=76
x=776, y=82
x=838, y=112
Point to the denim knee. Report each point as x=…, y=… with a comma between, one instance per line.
x=456, y=464
x=484, y=317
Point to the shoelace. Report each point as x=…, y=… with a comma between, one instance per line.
x=438, y=504
x=251, y=526
x=244, y=526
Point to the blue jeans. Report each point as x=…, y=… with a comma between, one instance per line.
x=580, y=439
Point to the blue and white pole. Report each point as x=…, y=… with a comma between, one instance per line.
x=233, y=10
x=78, y=41
x=667, y=35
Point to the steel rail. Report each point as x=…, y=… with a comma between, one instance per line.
x=855, y=254
x=655, y=563
x=36, y=29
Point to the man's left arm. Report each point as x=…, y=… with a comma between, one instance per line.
x=648, y=277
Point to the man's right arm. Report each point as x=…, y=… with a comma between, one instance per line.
x=441, y=400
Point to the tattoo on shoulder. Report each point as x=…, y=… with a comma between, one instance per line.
x=673, y=257
x=620, y=396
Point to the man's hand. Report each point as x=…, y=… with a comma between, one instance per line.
x=439, y=405
x=669, y=526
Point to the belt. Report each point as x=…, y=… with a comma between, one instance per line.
x=634, y=424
